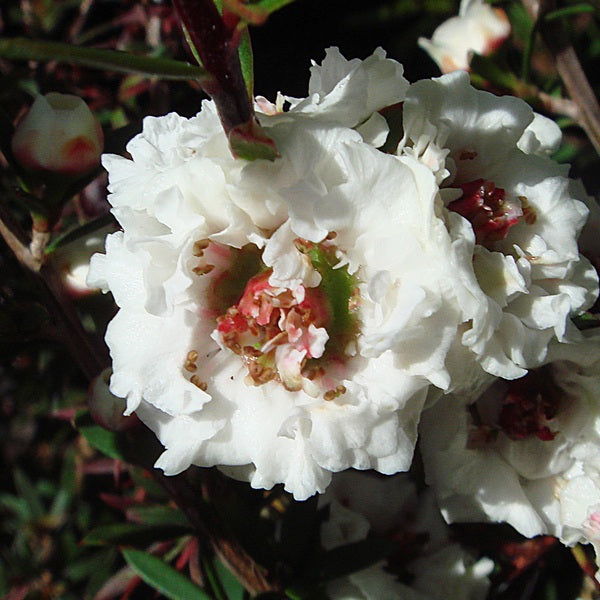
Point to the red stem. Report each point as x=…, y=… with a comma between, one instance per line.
x=217, y=47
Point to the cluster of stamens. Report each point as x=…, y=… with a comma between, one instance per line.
x=526, y=407
x=191, y=366
x=275, y=331
x=489, y=211
x=278, y=332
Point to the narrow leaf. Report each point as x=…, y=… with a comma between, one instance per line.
x=247, y=61
x=162, y=577
x=568, y=11
x=111, y=60
x=235, y=590
x=27, y=491
x=133, y=534
x=489, y=70
x=158, y=515
x=99, y=438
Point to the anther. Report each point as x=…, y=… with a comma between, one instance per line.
x=200, y=246
x=203, y=269
x=198, y=382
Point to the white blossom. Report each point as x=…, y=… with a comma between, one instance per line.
x=517, y=216
x=360, y=503
x=478, y=28
x=282, y=320
x=525, y=452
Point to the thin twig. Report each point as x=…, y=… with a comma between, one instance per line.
x=569, y=68
x=16, y=240
x=91, y=357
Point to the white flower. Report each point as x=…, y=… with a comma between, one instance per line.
x=478, y=28
x=363, y=502
x=59, y=134
x=517, y=215
x=282, y=320
x=348, y=93
x=526, y=452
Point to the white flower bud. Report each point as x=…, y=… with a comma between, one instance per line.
x=106, y=408
x=477, y=28
x=59, y=134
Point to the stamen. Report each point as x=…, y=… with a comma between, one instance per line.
x=491, y=214
x=200, y=246
x=203, y=269
x=199, y=383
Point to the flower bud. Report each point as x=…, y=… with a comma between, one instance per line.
x=478, y=28
x=59, y=134
x=73, y=261
x=106, y=408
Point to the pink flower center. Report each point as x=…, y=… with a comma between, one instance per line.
x=275, y=331
x=489, y=211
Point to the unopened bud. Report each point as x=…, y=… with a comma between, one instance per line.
x=478, y=28
x=73, y=261
x=106, y=408
x=60, y=135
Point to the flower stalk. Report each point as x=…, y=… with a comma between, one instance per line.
x=214, y=40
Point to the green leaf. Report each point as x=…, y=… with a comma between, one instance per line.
x=27, y=490
x=81, y=231
x=490, y=71
x=235, y=590
x=134, y=534
x=107, y=442
x=568, y=11
x=110, y=60
x=158, y=515
x=247, y=61
x=162, y=577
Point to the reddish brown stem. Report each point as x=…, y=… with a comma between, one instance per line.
x=217, y=47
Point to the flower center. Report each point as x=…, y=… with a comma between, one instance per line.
x=528, y=406
x=490, y=213
x=280, y=333
x=522, y=409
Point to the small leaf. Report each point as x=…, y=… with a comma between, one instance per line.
x=247, y=61
x=107, y=442
x=568, y=11
x=490, y=71
x=135, y=534
x=26, y=490
x=158, y=515
x=110, y=60
x=162, y=577
x=235, y=590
